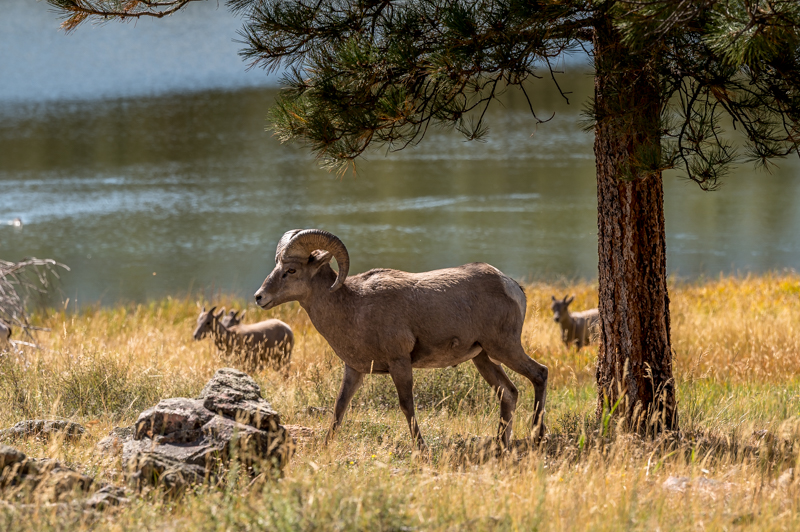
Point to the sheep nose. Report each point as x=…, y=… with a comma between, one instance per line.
x=259, y=297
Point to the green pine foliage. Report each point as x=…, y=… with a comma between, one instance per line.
x=363, y=73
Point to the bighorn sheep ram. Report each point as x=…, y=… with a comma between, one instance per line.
x=388, y=321
x=268, y=342
x=576, y=327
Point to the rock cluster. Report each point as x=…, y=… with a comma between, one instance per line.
x=184, y=441
x=24, y=480
x=176, y=443
x=43, y=428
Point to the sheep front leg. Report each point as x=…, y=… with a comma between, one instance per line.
x=403, y=378
x=350, y=384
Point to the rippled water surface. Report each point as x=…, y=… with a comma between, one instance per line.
x=147, y=196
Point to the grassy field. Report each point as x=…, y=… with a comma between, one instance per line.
x=737, y=355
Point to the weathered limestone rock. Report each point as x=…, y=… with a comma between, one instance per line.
x=43, y=428
x=36, y=484
x=107, y=496
x=234, y=394
x=176, y=420
x=112, y=444
x=44, y=480
x=9, y=456
x=147, y=465
x=180, y=441
x=707, y=486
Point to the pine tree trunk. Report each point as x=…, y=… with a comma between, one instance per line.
x=634, y=367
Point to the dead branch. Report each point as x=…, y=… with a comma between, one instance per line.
x=19, y=281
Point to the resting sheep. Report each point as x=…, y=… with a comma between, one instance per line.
x=388, y=321
x=268, y=342
x=576, y=327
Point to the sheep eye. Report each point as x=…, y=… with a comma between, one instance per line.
x=291, y=271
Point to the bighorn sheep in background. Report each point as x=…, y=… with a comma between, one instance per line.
x=389, y=321
x=268, y=342
x=576, y=327
x=231, y=318
x=209, y=323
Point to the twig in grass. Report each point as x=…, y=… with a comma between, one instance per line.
x=19, y=281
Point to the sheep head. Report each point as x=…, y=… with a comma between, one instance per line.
x=205, y=322
x=232, y=319
x=299, y=256
x=559, y=308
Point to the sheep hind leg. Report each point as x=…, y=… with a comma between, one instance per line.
x=505, y=391
x=350, y=384
x=517, y=360
x=403, y=378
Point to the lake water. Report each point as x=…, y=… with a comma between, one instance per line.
x=170, y=186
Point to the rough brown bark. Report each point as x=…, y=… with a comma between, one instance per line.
x=634, y=367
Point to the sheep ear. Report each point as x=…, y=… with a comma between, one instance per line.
x=221, y=312
x=233, y=313
x=204, y=309
x=211, y=311
x=241, y=316
x=320, y=257
x=568, y=301
x=553, y=298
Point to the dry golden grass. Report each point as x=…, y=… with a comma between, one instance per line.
x=737, y=352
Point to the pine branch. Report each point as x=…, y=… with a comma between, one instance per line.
x=76, y=12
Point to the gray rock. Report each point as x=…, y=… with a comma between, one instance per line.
x=9, y=456
x=43, y=427
x=162, y=466
x=112, y=444
x=236, y=395
x=676, y=484
x=180, y=442
x=45, y=480
x=46, y=483
x=700, y=484
x=107, y=496
x=177, y=420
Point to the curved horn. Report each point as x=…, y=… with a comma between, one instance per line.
x=300, y=244
x=284, y=241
